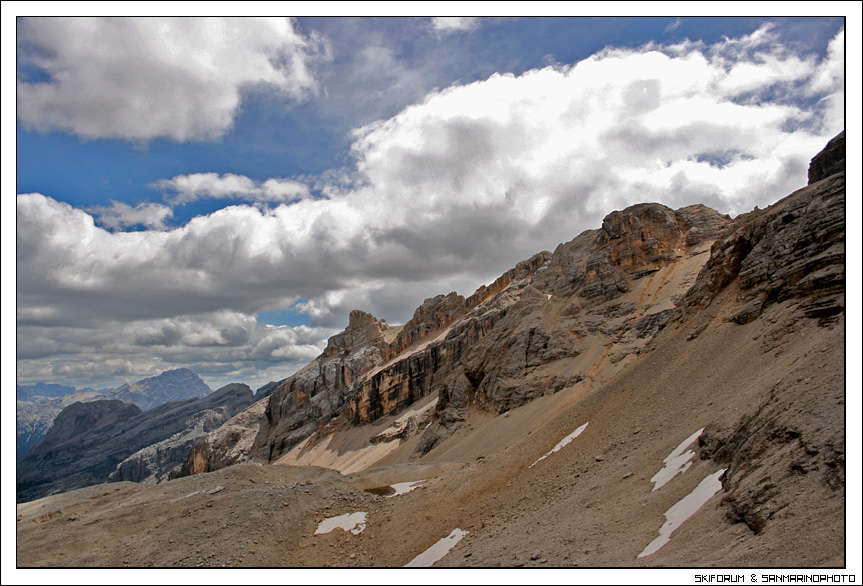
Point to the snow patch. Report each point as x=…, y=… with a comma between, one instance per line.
x=676, y=462
x=404, y=487
x=561, y=444
x=437, y=551
x=353, y=522
x=683, y=509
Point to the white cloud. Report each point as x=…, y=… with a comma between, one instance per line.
x=187, y=188
x=122, y=215
x=673, y=26
x=141, y=78
x=444, y=196
x=451, y=24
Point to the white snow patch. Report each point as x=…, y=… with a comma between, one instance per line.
x=404, y=487
x=561, y=444
x=676, y=462
x=353, y=522
x=437, y=551
x=683, y=509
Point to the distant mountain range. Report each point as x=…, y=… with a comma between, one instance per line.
x=106, y=439
x=40, y=403
x=43, y=391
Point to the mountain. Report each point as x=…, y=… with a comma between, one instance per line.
x=109, y=440
x=665, y=390
x=42, y=391
x=40, y=403
x=545, y=325
x=171, y=385
x=34, y=418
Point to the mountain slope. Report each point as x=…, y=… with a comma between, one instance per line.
x=551, y=322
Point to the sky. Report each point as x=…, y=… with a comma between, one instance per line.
x=219, y=194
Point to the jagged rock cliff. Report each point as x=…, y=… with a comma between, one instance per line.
x=829, y=161
x=519, y=338
x=89, y=440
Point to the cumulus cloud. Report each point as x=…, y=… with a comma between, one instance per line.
x=120, y=215
x=187, y=188
x=142, y=78
x=444, y=196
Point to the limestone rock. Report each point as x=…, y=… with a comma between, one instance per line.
x=154, y=462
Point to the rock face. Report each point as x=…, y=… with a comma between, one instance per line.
x=518, y=339
x=89, y=440
x=791, y=257
x=155, y=462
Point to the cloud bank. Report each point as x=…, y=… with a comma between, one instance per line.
x=138, y=79
x=445, y=195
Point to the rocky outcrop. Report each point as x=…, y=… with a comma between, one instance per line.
x=228, y=444
x=829, y=161
x=789, y=258
x=793, y=249
x=89, y=440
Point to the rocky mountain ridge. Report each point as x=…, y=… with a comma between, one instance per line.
x=508, y=343
x=172, y=385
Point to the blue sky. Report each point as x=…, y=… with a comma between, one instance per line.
x=219, y=194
